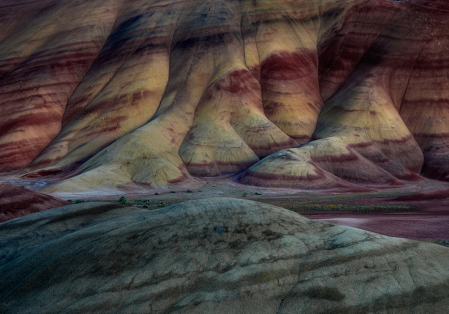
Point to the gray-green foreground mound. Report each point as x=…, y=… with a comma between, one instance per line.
x=211, y=256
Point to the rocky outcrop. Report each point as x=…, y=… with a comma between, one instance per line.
x=217, y=255
x=16, y=201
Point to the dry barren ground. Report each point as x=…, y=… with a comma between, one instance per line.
x=419, y=211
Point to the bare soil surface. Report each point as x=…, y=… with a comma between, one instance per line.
x=417, y=210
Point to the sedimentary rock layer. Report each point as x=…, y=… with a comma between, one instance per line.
x=16, y=201
x=104, y=92
x=361, y=136
x=425, y=103
x=217, y=255
x=45, y=53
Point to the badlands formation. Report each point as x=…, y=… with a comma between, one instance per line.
x=108, y=95
x=211, y=256
x=287, y=93
x=16, y=201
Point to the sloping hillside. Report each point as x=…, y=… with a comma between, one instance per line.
x=99, y=93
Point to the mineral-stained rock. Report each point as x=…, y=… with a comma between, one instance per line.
x=393, y=55
x=211, y=256
x=360, y=135
x=45, y=53
x=16, y=201
x=426, y=101
x=104, y=92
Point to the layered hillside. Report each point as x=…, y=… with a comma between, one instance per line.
x=334, y=92
x=16, y=201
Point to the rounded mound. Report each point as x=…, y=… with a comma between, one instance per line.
x=216, y=255
x=16, y=201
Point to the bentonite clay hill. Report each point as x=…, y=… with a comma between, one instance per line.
x=211, y=256
x=99, y=93
x=16, y=201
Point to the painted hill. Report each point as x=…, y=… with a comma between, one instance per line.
x=99, y=93
x=216, y=255
x=16, y=201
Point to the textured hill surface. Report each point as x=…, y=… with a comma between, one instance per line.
x=16, y=201
x=99, y=93
x=217, y=255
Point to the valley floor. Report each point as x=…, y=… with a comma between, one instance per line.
x=416, y=211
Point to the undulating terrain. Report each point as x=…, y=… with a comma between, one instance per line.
x=290, y=93
x=129, y=129
x=211, y=256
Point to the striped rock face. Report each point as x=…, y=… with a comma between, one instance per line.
x=335, y=92
x=16, y=201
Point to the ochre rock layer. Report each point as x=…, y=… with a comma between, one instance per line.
x=335, y=92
